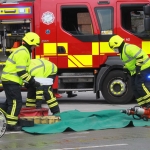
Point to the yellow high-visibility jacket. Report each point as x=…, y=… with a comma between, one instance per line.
x=133, y=56
x=18, y=61
x=42, y=68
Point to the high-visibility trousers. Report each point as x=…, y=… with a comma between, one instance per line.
x=13, y=103
x=141, y=87
x=44, y=92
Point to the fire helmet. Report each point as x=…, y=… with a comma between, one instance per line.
x=115, y=41
x=31, y=38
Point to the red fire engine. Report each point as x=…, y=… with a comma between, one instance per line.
x=74, y=35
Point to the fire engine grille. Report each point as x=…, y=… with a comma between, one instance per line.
x=74, y=79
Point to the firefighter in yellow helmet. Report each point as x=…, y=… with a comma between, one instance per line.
x=137, y=62
x=44, y=69
x=13, y=75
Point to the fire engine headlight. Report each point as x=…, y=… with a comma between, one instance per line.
x=21, y=10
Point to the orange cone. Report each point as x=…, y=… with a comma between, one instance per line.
x=16, y=44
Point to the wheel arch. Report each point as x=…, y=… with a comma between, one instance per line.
x=112, y=63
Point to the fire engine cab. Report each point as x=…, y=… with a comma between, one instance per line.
x=74, y=35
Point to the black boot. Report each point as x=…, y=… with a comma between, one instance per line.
x=70, y=94
x=38, y=104
x=13, y=127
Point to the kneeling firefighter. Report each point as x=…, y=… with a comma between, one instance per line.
x=137, y=63
x=13, y=75
x=44, y=69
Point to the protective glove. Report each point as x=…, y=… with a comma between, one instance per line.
x=138, y=69
x=26, y=85
x=126, y=75
x=36, y=84
x=32, y=82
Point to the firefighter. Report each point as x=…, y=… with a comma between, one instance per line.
x=137, y=62
x=13, y=75
x=44, y=69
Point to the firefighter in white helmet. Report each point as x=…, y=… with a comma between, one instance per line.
x=137, y=62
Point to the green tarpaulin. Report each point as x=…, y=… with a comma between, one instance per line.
x=81, y=121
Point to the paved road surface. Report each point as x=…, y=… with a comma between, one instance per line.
x=132, y=138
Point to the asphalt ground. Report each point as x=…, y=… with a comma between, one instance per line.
x=131, y=138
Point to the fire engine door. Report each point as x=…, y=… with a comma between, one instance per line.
x=77, y=45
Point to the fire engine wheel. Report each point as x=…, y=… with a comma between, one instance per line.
x=114, y=90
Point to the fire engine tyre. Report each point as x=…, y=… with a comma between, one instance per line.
x=114, y=90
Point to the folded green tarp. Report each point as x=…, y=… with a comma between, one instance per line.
x=81, y=121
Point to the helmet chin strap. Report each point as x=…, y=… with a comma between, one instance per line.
x=121, y=47
x=27, y=46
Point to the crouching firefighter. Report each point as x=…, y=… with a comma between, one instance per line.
x=13, y=74
x=137, y=62
x=44, y=69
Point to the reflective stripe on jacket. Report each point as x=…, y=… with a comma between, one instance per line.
x=129, y=56
x=19, y=60
x=42, y=68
